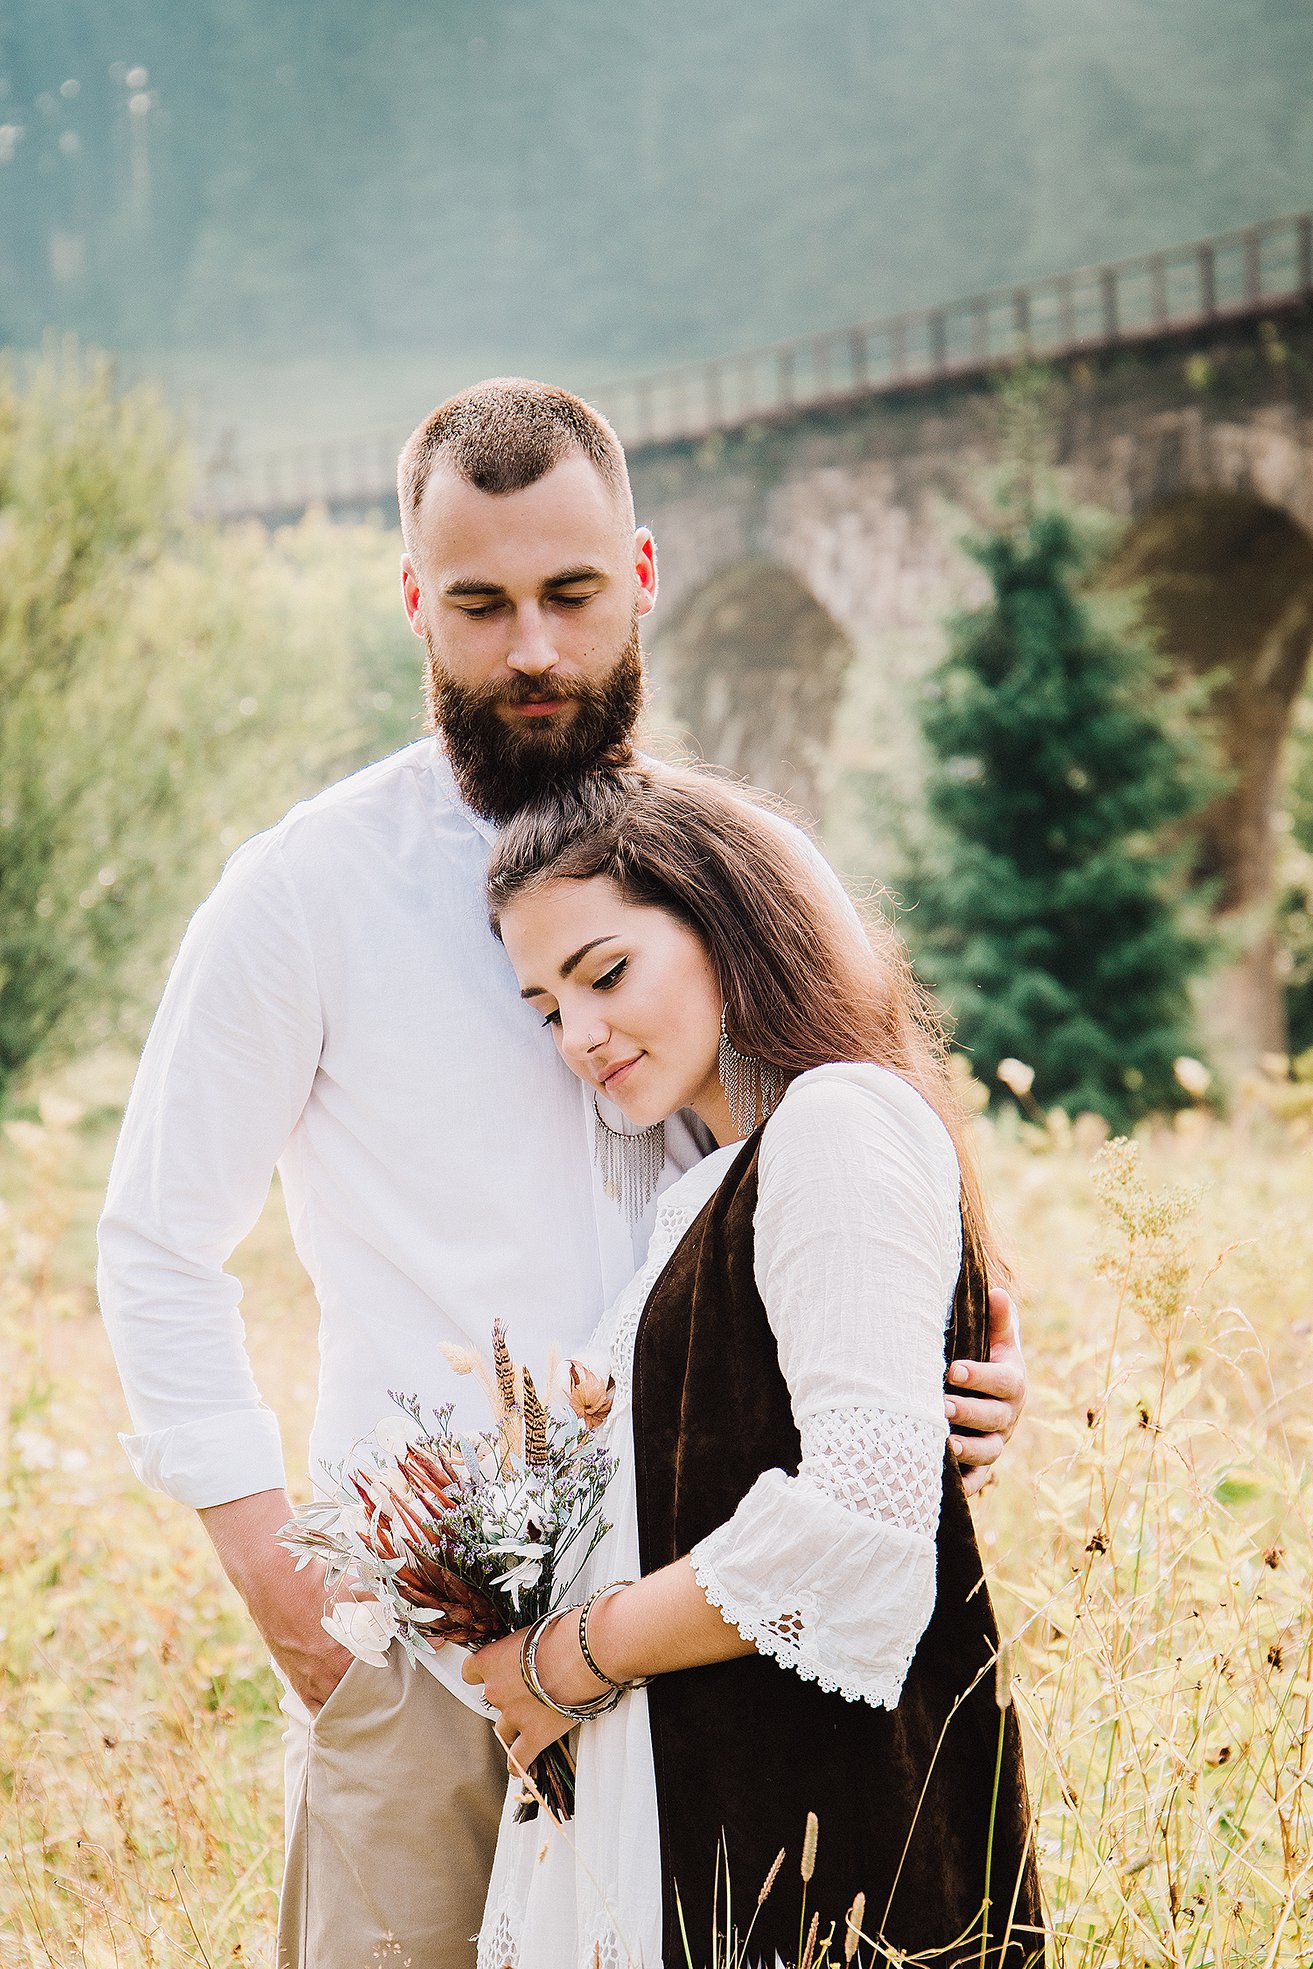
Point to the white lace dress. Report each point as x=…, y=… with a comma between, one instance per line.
x=830, y=1571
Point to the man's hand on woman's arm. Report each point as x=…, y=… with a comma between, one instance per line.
x=286, y=1605
x=987, y=1397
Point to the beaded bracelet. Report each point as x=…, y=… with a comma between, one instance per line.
x=580, y=1712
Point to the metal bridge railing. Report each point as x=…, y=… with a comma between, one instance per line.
x=1232, y=275
x=1228, y=277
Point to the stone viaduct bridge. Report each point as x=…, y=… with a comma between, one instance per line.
x=809, y=502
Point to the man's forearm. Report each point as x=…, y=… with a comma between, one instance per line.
x=243, y=1534
x=286, y=1605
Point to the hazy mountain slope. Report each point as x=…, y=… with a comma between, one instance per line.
x=614, y=187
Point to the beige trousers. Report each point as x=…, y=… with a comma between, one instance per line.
x=394, y=1793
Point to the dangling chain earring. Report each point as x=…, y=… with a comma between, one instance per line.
x=752, y=1087
x=630, y=1164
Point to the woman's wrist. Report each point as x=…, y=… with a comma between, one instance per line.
x=610, y=1641
x=562, y=1670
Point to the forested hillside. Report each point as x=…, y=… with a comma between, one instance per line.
x=613, y=185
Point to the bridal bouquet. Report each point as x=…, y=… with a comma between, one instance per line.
x=465, y=1538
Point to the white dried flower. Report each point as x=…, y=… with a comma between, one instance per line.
x=365, y=1627
x=1193, y=1076
x=394, y=1436
x=1016, y=1076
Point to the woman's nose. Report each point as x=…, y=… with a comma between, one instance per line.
x=581, y=1040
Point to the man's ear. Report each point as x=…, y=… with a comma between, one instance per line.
x=410, y=595
x=645, y=568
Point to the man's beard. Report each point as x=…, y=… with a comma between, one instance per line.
x=502, y=764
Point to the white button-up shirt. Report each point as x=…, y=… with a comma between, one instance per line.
x=340, y=1009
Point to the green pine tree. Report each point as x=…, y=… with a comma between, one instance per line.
x=1050, y=908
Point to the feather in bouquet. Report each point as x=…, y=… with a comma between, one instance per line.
x=466, y=1538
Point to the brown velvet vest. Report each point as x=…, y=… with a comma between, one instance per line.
x=745, y=1749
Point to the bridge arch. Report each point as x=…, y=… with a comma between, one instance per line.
x=750, y=670
x=1227, y=581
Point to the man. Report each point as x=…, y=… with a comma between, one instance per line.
x=339, y=1009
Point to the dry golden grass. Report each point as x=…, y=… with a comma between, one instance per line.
x=1149, y=1544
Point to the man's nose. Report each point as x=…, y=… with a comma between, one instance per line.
x=532, y=652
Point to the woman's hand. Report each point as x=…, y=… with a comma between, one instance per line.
x=524, y=1726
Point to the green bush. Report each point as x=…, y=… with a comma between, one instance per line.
x=166, y=689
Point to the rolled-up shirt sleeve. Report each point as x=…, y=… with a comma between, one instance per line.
x=831, y=1570
x=225, y=1074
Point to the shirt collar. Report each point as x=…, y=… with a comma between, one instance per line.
x=445, y=780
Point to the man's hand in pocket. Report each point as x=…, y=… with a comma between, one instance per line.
x=286, y=1605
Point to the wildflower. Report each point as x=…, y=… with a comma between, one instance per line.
x=1016, y=1076
x=35, y=1450
x=1193, y=1075
x=1153, y=1266
x=853, y=1929
x=58, y=1112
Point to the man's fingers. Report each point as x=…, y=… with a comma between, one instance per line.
x=983, y=1416
x=1004, y=1324
x=1001, y=1381
x=974, y=1451
x=976, y=1480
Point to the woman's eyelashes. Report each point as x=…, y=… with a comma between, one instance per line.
x=607, y=982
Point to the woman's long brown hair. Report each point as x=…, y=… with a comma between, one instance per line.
x=802, y=986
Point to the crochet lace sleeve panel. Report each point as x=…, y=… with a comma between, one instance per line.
x=858, y=1239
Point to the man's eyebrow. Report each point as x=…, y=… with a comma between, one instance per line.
x=570, y=575
x=459, y=588
x=571, y=962
x=466, y=590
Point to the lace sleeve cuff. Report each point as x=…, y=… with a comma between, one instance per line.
x=832, y=1572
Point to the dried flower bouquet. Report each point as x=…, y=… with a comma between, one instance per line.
x=441, y=1537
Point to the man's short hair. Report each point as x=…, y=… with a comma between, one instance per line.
x=504, y=435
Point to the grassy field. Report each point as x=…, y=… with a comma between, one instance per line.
x=1149, y=1542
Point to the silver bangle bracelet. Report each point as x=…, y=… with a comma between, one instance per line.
x=581, y=1712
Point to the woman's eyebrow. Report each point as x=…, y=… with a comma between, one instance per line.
x=576, y=958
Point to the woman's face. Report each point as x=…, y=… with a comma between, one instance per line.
x=630, y=997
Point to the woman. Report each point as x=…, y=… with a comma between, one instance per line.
x=807, y=1629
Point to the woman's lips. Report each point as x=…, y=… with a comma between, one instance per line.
x=614, y=1075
